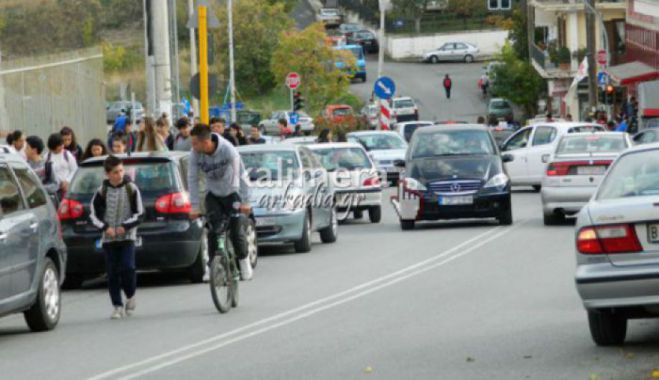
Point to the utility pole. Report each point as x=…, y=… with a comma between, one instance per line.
x=232, y=72
x=383, y=6
x=592, y=51
x=193, y=54
x=162, y=67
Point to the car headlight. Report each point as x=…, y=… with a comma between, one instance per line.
x=412, y=184
x=499, y=181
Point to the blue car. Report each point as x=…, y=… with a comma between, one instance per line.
x=358, y=52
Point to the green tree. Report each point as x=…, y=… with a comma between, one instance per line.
x=307, y=53
x=517, y=34
x=412, y=8
x=517, y=80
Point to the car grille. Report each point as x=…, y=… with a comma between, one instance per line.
x=452, y=187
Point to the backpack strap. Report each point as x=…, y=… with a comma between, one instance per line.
x=48, y=172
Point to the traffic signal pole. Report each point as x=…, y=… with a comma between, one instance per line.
x=203, y=63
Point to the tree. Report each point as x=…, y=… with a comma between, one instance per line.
x=412, y=8
x=467, y=8
x=517, y=34
x=307, y=53
x=517, y=80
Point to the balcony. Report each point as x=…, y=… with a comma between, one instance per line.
x=546, y=68
x=567, y=5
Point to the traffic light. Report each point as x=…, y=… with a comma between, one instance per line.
x=298, y=101
x=609, y=95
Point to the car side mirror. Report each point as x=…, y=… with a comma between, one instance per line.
x=507, y=158
x=399, y=163
x=545, y=158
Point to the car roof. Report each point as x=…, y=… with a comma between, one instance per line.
x=283, y=147
x=10, y=158
x=498, y=100
x=565, y=125
x=137, y=156
x=605, y=133
x=364, y=133
x=405, y=123
x=451, y=127
x=642, y=148
x=402, y=98
x=335, y=145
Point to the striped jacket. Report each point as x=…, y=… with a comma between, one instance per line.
x=117, y=206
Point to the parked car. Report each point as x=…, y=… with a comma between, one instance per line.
x=500, y=108
x=354, y=177
x=168, y=241
x=384, y=147
x=647, y=136
x=330, y=17
x=371, y=112
x=360, y=62
x=347, y=29
x=5, y=149
x=404, y=108
x=269, y=126
x=575, y=169
x=617, y=246
x=453, y=172
x=114, y=109
x=530, y=144
x=291, y=195
x=33, y=257
x=366, y=39
x=407, y=128
x=338, y=113
x=453, y=51
x=247, y=118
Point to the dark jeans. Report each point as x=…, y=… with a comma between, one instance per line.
x=217, y=210
x=120, y=264
x=448, y=92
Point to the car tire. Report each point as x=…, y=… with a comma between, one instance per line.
x=506, y=217
x=304, y=244
x=330, y=233
x=469, y=58
x=358, y=214
x=553, y=219
x=46, y=310
x=375, y=214
x=606, y=328
x=252, y=242
x=434, y=59
x=537, y=188
x=73, y=281
x=407, y=225
x=198, y=268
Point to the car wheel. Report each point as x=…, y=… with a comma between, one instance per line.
x=407, y=225
x=375, y=214
x=506, y=217
x=434, y=59
x=537, y=188
x=304, y=244
x=252, y=242
x=469, y=58
x=330, y=233
x=45, y=312
x=606, y=328
x=553, y=219
x=73, y=281
x=358, y=214
x=198, y=268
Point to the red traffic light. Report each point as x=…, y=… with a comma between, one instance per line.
x=610, y=90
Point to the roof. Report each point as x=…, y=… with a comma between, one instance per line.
x=631, y=72
x=336, y=145
x=599, y=134
x=648, y=98
x=451, y=127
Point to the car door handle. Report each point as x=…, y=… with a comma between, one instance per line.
x=34, y=226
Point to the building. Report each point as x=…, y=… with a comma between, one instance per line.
x=559, y=45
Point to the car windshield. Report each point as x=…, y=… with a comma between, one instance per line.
x=453, y=143
x=151, y=178
x=381, y=141
x=342, y=112
x=499, y=104
x=404, y=103
x=357, y=52
x=271, y=165
x=591, y=144
x=343, y=158
x=329, y=12
x=633, y=175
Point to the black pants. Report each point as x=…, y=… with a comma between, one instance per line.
x=218, y=210
x=120, y=264
x=448, y=92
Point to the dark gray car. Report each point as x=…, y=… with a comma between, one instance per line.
x=32, y=253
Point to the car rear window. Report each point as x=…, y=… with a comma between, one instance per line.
x=586, y=128
x=151, y=178
x=500, y=104
x=633, y=175
x=404, y=103
x=343, y=158
x=591, y=144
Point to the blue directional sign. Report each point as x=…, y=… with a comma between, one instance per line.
x=293, y=118
x=385, y=88
x=602, y=78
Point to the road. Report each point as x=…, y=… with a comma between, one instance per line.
x=467, y=300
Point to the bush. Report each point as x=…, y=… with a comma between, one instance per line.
x=351, y=124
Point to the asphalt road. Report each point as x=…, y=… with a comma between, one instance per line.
x=468, y=300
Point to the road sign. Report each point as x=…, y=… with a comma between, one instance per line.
x=384, y=88
x=602, y=78
x=601, y=57
x=194, y=85
x=293, y=118
x=293, y=80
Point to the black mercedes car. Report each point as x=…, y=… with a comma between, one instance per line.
x=453, y=172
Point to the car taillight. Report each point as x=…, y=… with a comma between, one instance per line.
x=373, y=181
x=569, y=167
x=69, y=209
x=176, y=203
x=608, y=239
x=558, y=169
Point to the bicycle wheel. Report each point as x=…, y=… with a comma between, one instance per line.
x=221, y=283
x=234, y=273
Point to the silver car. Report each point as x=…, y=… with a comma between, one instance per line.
x=576, y=169
x=617, y=244
x=291, y=195
x=453, y=51
x=384, y=148
x=647, y=136
x=270, y=126
x=32, y=253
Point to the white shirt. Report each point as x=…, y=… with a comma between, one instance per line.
x=20, y=153
x=63, y=167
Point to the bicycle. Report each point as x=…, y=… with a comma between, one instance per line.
x=224, y=272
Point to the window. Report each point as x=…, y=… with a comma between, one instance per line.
x=10, y=196
x=307, y=161
x=453, y=143
x=634, y=175
x=344, y=158
x=34, y=195
x=460, y=46
x=518, y=141
x=544, y=135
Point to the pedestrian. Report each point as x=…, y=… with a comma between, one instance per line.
x=448, y=84
x=550, y=118
x=255, y=135
x=284, y=129
x=341, y=137
x=95, y=148
x=149, y=140
x=568, y=117
x=18, y=143
x=298, y=131
x=611, y=125
x=71, y=143
x=34, y=148
x=120, y=122
x=64, y=164
x=325, y=136
x=480, y=120
x=623, y=126
x=238, y=135
x=119, y=143
x=182, y=142
x=116, y=209
x=162, y=127
x=218, y=125
x=484, y=83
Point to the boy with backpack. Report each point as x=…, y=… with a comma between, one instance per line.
x=116, y=210
x=34, y=147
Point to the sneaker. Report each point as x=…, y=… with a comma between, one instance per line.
x=118, y=313
x=246, y=271
x=130, y=306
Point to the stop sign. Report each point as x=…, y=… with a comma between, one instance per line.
x=293, y=80
x=601, y=57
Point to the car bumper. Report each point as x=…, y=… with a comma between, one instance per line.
x=279, y=228
x=358, y=199
x=567, y=200
x=605, y=286
x=427, y=207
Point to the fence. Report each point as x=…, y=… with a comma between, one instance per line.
x=438, y=23
x=40, y=95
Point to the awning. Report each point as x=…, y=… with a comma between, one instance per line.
x=632, y=72
x=648, y=99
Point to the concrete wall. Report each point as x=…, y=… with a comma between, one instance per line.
x=401, y=47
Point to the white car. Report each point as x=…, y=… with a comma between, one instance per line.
x=330, y=16
x=304, y=140
x=354, y=177
x=575, y=169
x=371, y=112
x=269, y=126
x=384, y=147
x=453, y=51
x=404, y=108
x=6, y=149
x=531, y=147
x=406, y=129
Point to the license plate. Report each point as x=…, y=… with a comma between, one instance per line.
x=591, y=170
x=456, y=200
x=653, y=233
x=265, y=222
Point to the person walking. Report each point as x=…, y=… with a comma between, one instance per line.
x=64, y=163
x=116, y=210
x=183, y=142
x=149, y=140
x=95, y=148
x=255, y=135
x=484, y=84
x=70, y=142
x=325, y=136
x=34, y=147
x=237, y=133
x=162, y=127
x=448, y=84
